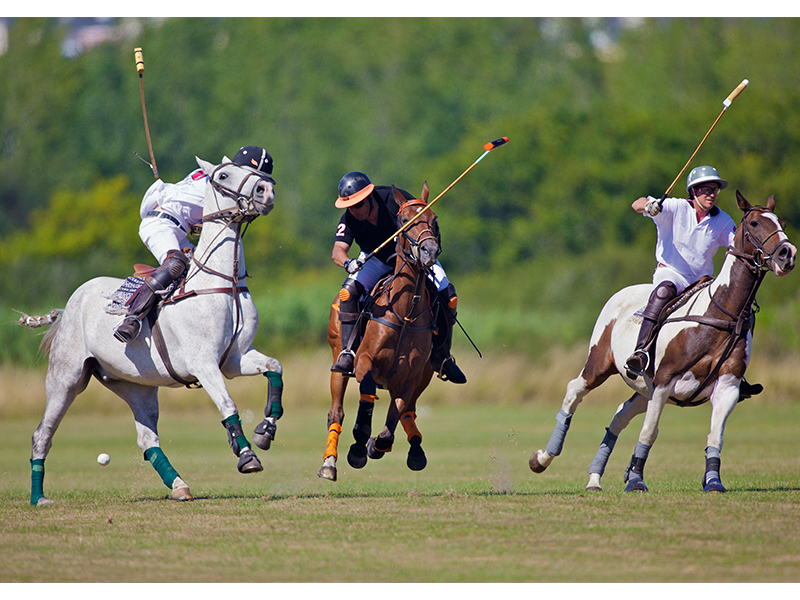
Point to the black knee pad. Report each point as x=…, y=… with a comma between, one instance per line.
x=348, y=300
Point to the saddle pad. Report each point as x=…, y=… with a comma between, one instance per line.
x=118, y=300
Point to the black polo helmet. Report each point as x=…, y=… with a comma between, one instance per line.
x=353, y=188
x=256, y=158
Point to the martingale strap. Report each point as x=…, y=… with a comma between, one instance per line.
x=158, y=336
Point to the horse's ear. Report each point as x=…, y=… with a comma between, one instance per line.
x=207, y=167
x=771, y=203
x=425, y=192
x=398, y=197
x=744, y=205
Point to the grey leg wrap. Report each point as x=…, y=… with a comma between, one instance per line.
x=603, y=453
x=556, y=443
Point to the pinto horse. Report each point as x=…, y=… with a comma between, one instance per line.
x=207, y=329
x=395, y=351
x=701, y=353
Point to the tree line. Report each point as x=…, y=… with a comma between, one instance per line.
x=598, y=112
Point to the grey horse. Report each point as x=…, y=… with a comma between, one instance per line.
x=207, y=328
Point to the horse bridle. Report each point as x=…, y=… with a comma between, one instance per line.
x=425, y=235
x=761, y=258
x=245, y=204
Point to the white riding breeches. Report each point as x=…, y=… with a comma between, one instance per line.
x=162, y=235
x=664, y=273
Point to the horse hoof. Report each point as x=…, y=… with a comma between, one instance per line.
x=416, y=460
x=181, y=494
x=714, y=486
x=44, y=501
x=594, y=483
x=536, y=465
x=374, y=452
x=357, y=456
x=248, y=462
x=264, y=433
x=328, y=473
x=636, y=485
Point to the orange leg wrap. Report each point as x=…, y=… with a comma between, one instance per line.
x=368, y=398
x=409, y=421
x=333, y=441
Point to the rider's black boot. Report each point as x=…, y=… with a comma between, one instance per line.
x=174, y=266
x=659, y=298
x=442, y=361
x=348, y=319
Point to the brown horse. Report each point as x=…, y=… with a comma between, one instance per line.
x=395, y=351
x=701, y=353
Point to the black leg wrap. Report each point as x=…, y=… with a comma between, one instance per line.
x=363, y=427
x=712, y=466
x=636, y=467
x=234, y=431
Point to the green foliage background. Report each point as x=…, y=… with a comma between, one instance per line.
x=536, y=237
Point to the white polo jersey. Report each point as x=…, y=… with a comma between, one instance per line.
x=686, y=246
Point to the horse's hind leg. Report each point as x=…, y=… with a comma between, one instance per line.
x=599, y=367
x=635, y=405
x=63, y=384
x=143, y=402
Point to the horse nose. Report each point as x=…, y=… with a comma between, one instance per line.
x=428, y=253
x=787, y=256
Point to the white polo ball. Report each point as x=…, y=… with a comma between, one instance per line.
x=104, y=459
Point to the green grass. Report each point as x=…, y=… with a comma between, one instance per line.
x=475, y=514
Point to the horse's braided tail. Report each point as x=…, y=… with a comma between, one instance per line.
x=51, y=318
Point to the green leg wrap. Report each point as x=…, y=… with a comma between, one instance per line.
x=161, y=464
x=37, y=480
x=236, y=438
x=274, y=407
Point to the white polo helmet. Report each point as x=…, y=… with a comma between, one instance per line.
x=704, y=174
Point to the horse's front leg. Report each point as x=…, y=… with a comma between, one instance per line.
x=335, y=420
x=210, y=377
x=634, y=475
x=253, y=362
x=635, y=405
x=362, y=429
x=380, y=445
x=416, y=460
x=723, y=401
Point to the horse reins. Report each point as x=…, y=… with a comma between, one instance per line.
x=244, y=214
x=745, y=320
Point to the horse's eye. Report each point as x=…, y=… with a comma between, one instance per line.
x=753, y=223
x=223, y=175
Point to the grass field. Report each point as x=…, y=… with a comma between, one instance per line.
x=475, y=514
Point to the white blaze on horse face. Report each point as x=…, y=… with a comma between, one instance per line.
x=782, y=237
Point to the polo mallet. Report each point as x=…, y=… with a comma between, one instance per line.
x=137, y=53
x=487, y=148
x=728, y=101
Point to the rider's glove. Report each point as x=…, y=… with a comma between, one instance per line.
x=653, y=207
x=353, y=265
